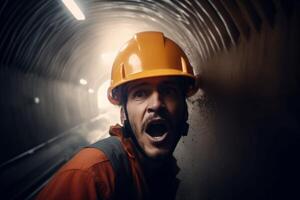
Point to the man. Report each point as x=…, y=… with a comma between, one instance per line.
x=151, y=77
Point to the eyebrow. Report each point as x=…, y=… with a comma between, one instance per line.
x=167, y=82
x=136, y=86
x=170, y=82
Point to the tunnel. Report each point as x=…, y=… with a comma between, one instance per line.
x=243, y=140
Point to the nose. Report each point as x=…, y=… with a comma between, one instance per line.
x=155, y=102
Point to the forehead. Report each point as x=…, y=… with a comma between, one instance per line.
x=154, y=81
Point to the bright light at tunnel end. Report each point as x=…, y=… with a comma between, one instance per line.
x=74, y=9
x=107, y=110
x=91, y=91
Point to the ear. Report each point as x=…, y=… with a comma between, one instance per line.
x=122, y=115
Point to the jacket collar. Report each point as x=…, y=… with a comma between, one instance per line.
x=117, y=130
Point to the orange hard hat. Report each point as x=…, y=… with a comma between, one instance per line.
x=149, y=54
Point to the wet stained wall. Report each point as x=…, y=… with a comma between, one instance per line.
x=244, y=121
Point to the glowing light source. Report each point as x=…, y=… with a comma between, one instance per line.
x=36, y=100
x=109, y=111
x=109, y=55
x=74, y=9
x=83, y=81
x=107, y=58
x=91, y=91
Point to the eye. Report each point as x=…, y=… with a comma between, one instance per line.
x=140, y=94
x=169, y=91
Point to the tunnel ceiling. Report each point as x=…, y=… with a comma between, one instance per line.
x=41, y=37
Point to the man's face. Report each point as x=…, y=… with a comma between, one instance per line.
x=156, y=110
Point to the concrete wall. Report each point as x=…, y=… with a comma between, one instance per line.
x=244, y=141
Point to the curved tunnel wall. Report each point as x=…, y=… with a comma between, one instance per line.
x=38, y=109
x=247, y=117
x=245, y=53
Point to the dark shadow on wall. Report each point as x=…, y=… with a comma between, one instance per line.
x=251, y=93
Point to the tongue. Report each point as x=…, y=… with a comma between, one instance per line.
x=156, y=130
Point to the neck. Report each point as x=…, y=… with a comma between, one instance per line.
x=151, y=165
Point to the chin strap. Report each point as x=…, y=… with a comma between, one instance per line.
x=128, y=133
x=126, y=126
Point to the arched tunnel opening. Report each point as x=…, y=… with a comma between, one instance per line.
x=55, y=67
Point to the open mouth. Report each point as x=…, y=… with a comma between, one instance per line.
x=157, y=129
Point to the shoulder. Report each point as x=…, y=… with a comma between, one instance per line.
x=88, y=175
x=85, y=159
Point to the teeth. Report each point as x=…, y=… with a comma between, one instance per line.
x=157, y=138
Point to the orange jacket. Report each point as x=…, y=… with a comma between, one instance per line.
x=90, y=176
